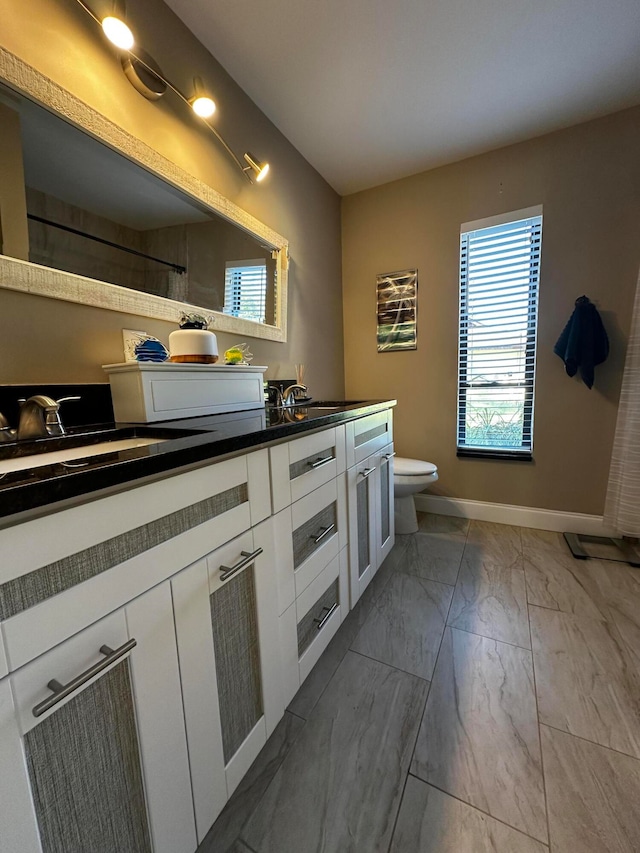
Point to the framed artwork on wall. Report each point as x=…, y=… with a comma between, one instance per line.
x=397, y=310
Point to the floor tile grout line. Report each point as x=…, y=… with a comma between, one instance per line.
x=350, y=614
x=390, y=665
x=422, y=578
x=493, y=639
x=592, y=742
x=395, y=821
x=600, y=619
x=435, y=666
x=249, y=848
x=535, y=698
x=293, y=713
x=260, y=799
x=478, y=809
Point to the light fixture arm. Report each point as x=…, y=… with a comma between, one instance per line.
x=176, y=91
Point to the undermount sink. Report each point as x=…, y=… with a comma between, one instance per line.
x=79, y=450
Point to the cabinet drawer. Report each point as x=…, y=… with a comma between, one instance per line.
x=367, y=435
x=203, y=509
x=319, y=531
x=319, y=611
x=302, y=465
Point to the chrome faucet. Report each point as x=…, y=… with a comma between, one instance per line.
x=40, y=417
x=6, y=432
x=289, y=394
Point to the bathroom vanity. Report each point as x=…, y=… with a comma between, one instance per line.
x=160, y=607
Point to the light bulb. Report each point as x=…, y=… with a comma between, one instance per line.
x=262, y=174
x=203, y=106
x=118, y=32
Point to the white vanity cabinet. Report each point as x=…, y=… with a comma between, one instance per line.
x=160, y=632
x=308, y=484
x=371, y=519
x=101, y=743
x=226, y=615
x=89, y=603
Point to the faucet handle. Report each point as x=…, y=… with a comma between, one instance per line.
x=53, y=422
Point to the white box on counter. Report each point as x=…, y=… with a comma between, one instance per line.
x=144, y=392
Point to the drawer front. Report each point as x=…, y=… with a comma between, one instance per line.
x=319, y=612
x=319, y=531
x=44, y=607
x=368, y=435
x=304, y=464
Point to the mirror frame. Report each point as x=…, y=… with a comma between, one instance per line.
x=55, y=284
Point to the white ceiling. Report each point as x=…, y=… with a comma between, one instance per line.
x=373, y=90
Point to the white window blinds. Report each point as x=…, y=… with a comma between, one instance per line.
x=499, y=275
x=245, y=289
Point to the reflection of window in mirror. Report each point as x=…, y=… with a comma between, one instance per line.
x=245, y=289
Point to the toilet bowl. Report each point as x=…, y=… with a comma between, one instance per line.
x=410, y=476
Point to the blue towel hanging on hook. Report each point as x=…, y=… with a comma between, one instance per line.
x=583, y=343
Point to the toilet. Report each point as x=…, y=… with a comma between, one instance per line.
x=410, y=476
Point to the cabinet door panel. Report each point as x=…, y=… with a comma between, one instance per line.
x=385, y=526
x=234, y=620
x=362, y=482
x=200, y=697
x=18, y=827
x=85, y=772
x=226, y=610
x=156, y=685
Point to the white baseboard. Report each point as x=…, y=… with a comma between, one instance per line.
x=522, y=516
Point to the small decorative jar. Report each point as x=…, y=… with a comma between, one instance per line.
x=193, y=343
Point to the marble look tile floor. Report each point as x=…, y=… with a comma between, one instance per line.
x=482, y=697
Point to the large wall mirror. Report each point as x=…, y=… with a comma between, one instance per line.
x=111, y=223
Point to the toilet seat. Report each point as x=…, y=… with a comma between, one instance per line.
x=403, y=467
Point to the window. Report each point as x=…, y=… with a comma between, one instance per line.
x=499, y=273
x=245, y=289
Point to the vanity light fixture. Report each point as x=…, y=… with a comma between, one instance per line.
x=201, y=103
x=144, y=74
x=115, y=28
x=261, y=169
x=118, y=32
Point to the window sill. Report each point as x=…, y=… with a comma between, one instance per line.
x=503, y=455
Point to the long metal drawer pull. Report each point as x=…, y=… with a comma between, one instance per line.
x=330, y=611
x=364, y=474
x=324, y=460
x=61, y=691
x=247, y=557
x=325, y=532
x=388, y=456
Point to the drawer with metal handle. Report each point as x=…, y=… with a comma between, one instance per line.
x=304, y=464
x=317, y=617
x=319, y=611
x=319, y=528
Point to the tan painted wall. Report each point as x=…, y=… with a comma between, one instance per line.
x=588, y=180
x=42, y=340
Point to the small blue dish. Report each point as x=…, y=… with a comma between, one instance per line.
x=151, y=349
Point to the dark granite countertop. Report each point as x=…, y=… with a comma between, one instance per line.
x=191, y=442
